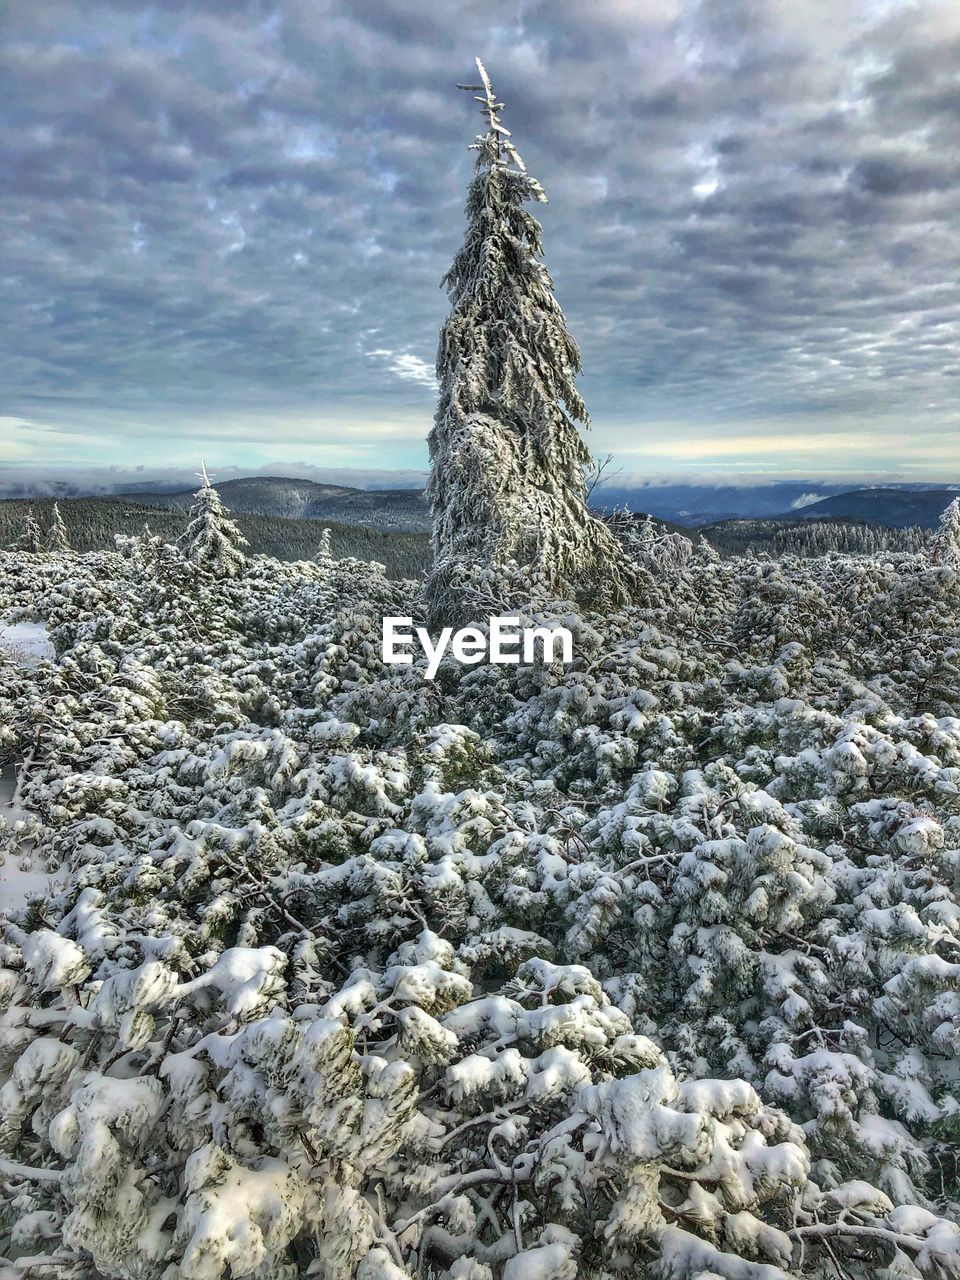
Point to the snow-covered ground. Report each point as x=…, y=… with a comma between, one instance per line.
x=20, y=877
x=26, y=642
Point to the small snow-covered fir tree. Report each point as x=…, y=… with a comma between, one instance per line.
x=945, y=547
x=324, y=552
x=211, y=540
x=507, y=483
x=31, y=539
x=57, y=539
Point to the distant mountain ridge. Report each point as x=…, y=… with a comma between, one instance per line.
x=696, y=505
x=895, y=508
x=400, y=510
x=406, y=510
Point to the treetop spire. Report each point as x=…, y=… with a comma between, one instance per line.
x=491, y=108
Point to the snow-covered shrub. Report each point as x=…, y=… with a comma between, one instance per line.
x=648, y=963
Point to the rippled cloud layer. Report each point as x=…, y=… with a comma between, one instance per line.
x=225, y=223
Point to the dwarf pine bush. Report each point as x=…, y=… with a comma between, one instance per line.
x=647, y=963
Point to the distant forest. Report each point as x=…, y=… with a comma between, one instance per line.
x=92, y=523
x=810, y=537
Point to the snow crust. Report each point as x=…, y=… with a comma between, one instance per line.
x=26, y=642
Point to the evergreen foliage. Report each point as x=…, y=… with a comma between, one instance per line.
x=645, y=965
x=324, y=552
x=56, y=539
x=31, y=539
x=945, y=548
x=93, y=524
x=211, y=540
x=507, y=484
x=812, y=537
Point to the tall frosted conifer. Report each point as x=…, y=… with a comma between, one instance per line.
x=507, y=481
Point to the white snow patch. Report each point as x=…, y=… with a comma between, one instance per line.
x=22, y=876
x=26, y=642
x=17, y=886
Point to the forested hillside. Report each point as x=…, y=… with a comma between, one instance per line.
x=93, y=523
x=896, y=508
x=810, y=537
x=402, y=510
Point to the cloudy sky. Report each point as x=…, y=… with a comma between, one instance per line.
x=224, y=225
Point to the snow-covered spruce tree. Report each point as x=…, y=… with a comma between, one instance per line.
x=507, y=481
x=211, y=540
x=945, y=547
x=57, y=539
x=324, y=552
x=31, y=539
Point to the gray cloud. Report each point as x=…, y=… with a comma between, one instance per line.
x=218, y=211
